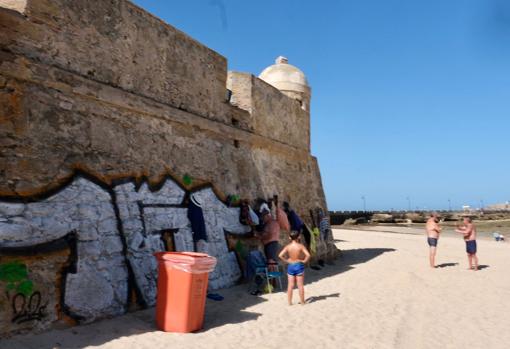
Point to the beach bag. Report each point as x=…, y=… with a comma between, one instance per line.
x=253, y=216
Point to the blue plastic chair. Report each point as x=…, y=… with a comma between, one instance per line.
x=271, y=274
x=262, y=269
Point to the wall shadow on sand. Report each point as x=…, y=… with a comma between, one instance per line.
x=346, y=262
x=218, y=313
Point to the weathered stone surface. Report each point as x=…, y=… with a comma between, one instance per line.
x=100, y=102
x=80, y=207
x=114, y=131
x=184, y=240
x=44, y=297
x=16, y=5
x=145, y=214
x=273, y=113
x=218, y=219
x=85, y=285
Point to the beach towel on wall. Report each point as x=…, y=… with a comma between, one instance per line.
x=325, y=228
x=244, y=214
x=295, y=222
x=264, y=207
x=253, y=216
x=315, y=238
x=196, y=217
x=307, y=234
x=247, y=216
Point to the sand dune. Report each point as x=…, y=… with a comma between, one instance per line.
x=380, y=294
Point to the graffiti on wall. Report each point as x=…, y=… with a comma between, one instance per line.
x=15, y=276
x=31, y=280
x=26, y=303
x=111, y=234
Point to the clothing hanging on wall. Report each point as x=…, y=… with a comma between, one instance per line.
x=295, y=221
x=307, y=234
x=325, y=228
x=244, y=214
x=264, y=207
x=253, y=216
x=312, y=242
x=247, y=216
x=196, y=217
x=315, y=237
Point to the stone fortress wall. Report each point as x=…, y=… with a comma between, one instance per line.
x=109, y=118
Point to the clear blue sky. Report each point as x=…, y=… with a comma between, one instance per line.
x=411, y=98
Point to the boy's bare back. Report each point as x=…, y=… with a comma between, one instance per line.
x=296, y=252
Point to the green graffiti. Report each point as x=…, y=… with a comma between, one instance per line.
x=187, y=180
x=15, y=275
x=240, y=249
x=234, y=198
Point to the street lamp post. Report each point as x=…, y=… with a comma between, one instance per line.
x=449, y=205
x=364, y=203
x=408, y=203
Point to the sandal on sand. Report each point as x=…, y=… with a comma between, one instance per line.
x=215, y=296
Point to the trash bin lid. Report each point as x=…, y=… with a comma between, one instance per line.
x=191, y=262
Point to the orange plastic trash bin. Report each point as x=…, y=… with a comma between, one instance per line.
x=182, y=289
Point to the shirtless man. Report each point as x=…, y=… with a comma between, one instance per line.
x=469, y=232
x=433, y=230
x=297, y=257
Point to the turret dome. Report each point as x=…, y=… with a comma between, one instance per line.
x=285, y=77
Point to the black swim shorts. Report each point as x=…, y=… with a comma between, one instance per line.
x=271, y=250
x=432, y=242
x=471, y=246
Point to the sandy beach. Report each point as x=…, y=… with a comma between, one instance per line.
x=379, y=294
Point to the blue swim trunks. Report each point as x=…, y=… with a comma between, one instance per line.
x=471, y=246
x=296, y=269
x=432, y=242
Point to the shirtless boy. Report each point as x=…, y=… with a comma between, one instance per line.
x=433, y=230
x=469, y=232
x=296, y=255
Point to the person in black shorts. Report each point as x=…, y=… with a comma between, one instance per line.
x=469, y=232
x=433, y=230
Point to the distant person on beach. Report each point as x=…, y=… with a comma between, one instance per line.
x=469, y=232
x=296, y=255
x=433, y=230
